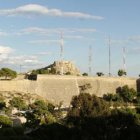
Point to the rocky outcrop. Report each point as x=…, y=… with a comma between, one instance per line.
x=66, y=67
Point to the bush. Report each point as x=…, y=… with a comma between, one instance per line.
x=85, y=74
x=68, y=73
x=121, y=72
x=128, y=94
x=18, y=103
x=86, y=105
x=8, y=73
x=99, y=74
x=5, y=121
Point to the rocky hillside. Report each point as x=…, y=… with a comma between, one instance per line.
x=29, y=98
x=59, y=67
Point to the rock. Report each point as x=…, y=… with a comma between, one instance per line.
x=67, y=67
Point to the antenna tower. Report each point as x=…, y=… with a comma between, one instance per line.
x=90, y=60
x=124, y=56
x=109, y=56
x=61, y=53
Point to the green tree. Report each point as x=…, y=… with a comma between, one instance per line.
x=86, y=105
x=128, y=94
x=85, y=74
x=2, y=103
x=8, y=73
x=41, y=113
x=99, y=74
x=40, y=71
x=121, y=72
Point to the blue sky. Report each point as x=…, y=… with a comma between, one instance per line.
x=30, y=33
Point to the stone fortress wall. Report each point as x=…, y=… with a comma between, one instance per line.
x=58, y=88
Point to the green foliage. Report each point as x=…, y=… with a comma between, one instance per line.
x=52, y=70
x=138, y=100
x=85, y=74
x=19, y=103
x=8, y=110
x=128, y=94
x=8, y=73
x=99, y=74
x=40, y=107
x=40, y=71
x=44, y=71
x=41, y=113
x=51, y=107
x=5, y=121
x=85, y=87
x=2, y=103
x=86, y=105
x=124, y=94
x=68, y=73
x=112, y=97
x=121, y=72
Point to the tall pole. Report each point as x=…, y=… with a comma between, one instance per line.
x=61, y=46
x=90, y=60
x=61, y=53
x=20, y=68
x=109, y=56
x=124, y=62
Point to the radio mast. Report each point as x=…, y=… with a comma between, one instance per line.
x=109, y=49
x=90, y=60
x=124, y=56
x=61, y=53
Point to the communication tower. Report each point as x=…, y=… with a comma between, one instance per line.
x=90, y=60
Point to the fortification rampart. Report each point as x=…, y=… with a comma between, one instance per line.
x=63, y=88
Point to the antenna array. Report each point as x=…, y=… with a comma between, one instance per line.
x=109, y=56
x=90, y=60
x=61, y=53
x=124, y=63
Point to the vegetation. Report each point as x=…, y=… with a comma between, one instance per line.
x=121, y=72
x=123, y=94
x=8, y=73
x=41, y=113
x=89, y=118
x=44, y=71
x=85, y=74
x=68, y=73
x=5, y=121
x=18, y=103
x=2, y=103
x=40, y=71
x=100, y=74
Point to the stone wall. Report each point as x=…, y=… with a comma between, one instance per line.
x=63, y=88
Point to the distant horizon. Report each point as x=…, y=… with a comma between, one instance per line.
x=30, y=33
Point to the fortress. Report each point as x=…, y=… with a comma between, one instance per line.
x=60, y=88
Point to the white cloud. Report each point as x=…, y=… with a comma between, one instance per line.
x=35, y=9
x=24, y=60
x=5, y=50
x=55, y=30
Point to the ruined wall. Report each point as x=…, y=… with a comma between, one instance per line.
x=62, y=88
